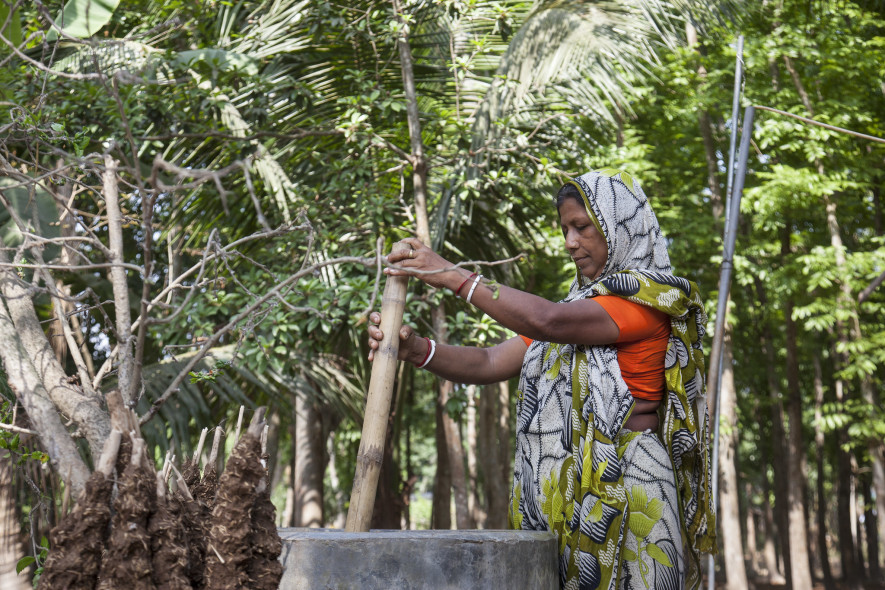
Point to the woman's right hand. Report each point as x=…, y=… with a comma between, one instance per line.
x=412, y=347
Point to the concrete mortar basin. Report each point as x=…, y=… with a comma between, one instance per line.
x=329, y=559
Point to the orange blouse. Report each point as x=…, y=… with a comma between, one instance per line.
x=642, y=345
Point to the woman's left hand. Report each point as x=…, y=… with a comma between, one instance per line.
x=433, y=268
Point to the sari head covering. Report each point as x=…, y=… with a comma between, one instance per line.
x=620, y=211
x=573, y=401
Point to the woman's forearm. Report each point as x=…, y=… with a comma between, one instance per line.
x=583, y=321
x=477, y=366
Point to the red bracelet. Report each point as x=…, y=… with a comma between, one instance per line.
x=458, y=290
x=429, y=348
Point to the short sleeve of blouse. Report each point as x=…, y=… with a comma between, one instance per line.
x=635, y=321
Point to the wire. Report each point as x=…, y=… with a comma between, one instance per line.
x=824, y=125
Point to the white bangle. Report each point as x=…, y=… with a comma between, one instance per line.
x=429, y=354
x=473, y=287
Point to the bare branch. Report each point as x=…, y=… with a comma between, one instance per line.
x=73, y=347
x=118, y=278
x=29, y=390
x=301, y=134
x=97, y=266
x=18, y=429
x=865, y=294
x=378, y=244
x=54, y=383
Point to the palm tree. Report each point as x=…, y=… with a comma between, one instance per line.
x=310, y=98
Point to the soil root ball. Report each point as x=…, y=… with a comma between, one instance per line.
x=229, y=553
x=78, y=540
x=196, y=530
x=191, y=472
x=169, y=555
x=265, y=570
x=205, y=491
x=127, y=563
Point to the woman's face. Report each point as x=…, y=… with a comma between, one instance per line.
x=585, y=244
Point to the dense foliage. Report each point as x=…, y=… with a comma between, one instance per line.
x=303, y=105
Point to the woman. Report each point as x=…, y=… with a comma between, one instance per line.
x=611, y=445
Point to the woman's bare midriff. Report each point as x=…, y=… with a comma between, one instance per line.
x=644, y=416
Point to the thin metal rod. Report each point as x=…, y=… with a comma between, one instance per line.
x=716, y=348
x=735, y=123
x=722, y=308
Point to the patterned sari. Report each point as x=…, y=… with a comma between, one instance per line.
x=632, y=510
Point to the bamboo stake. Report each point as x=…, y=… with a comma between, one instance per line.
x=109, y=453
x=179, y=482
x=371, y=453
x=239, y=425
x=216, y=442
x=199, y=450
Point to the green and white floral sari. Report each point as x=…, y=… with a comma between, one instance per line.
x=632, y=510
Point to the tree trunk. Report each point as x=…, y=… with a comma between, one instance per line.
x=751, y=553
x=796, y=468
x=505, y=450
x=844, y=500
x=822, y=503
x=473, y=503
x=870, y=531
x=119, y=283
x=769, y=534
x=845, y=302
x=441, y=513
x=856, y=515
x=729, y=510
x=450, y=435
x=494, y=404
x=42, y=413
x=309, y=464
x=339, y=519
x=67, y=397
x=463, y=519
x=778, y=438
x=11, y=548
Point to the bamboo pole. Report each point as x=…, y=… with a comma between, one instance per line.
x=371, y=453
x=722, y=310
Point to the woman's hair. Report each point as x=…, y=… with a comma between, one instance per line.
x=568, y=191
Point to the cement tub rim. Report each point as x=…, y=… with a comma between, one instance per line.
x=467, y=535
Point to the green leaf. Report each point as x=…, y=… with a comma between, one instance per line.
x=83, y=18
x=23, y=563
x=14, y=32
x=218, y=58
x=658, y=555
x=38, y=213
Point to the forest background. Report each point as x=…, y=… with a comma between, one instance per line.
x=195, y=195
